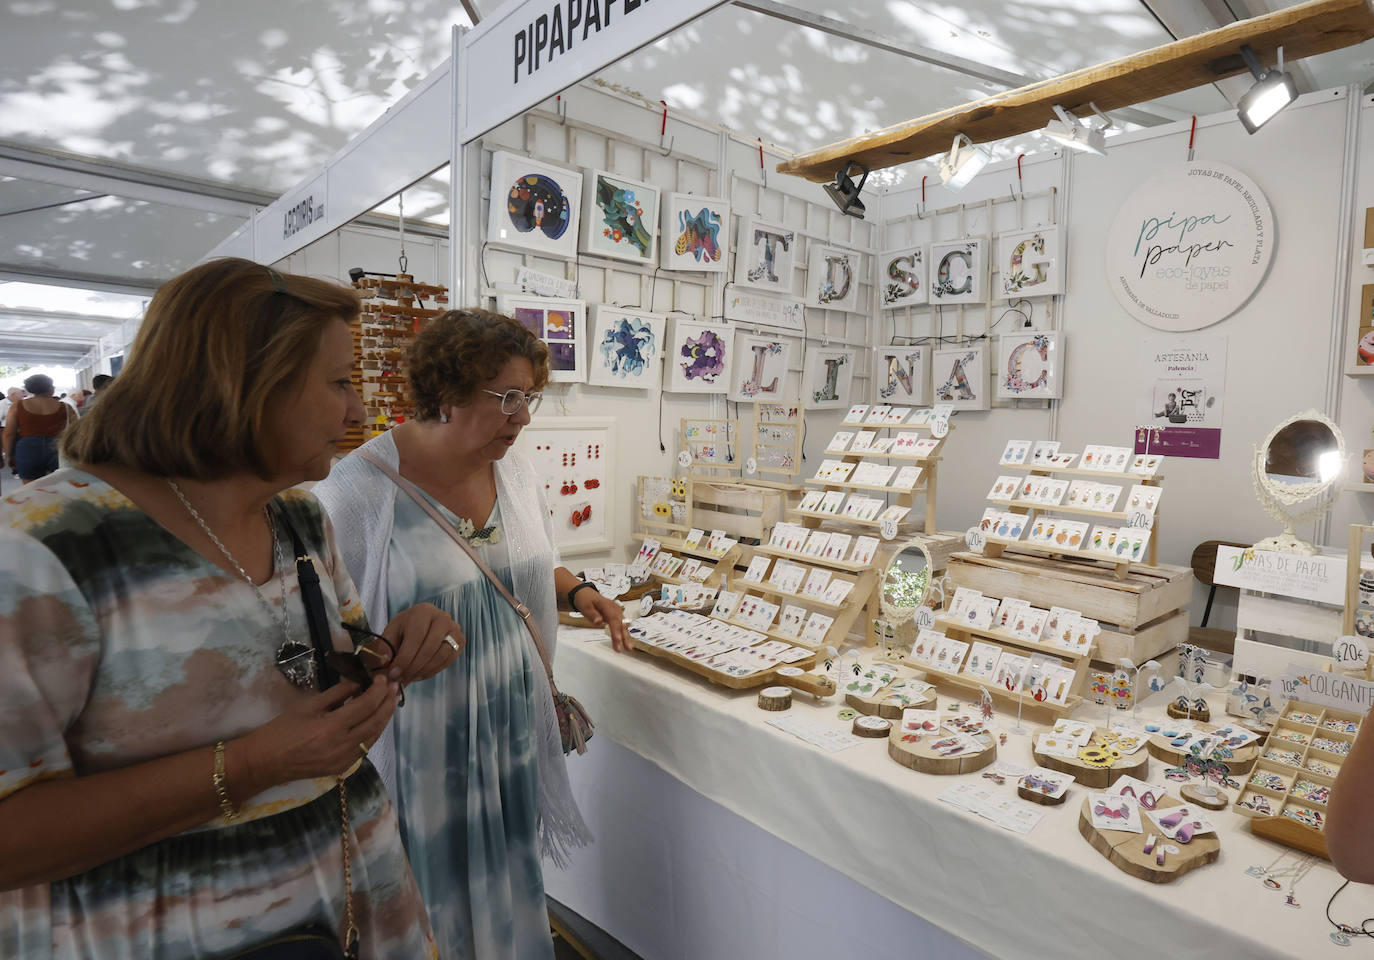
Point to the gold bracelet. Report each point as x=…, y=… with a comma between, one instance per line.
x=221, y=791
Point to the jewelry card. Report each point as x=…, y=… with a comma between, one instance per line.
x=1063, y=459
x=982, y=660
x=688, y=568
x=872, y=474
x=674, y=564
x=1112, y=812
x=1068, y=534
x=1042, y=531
x=816, y=543
x=1102, y=540
x=1052, y=745
x=757, y=568
x=882, y=445
x=1043, y=450
x=951, y=656
x=839, y=441
x=1084, y=632
x=791, y=622
x=878, y=413
x=905, y=443
x=837, y=590
x=1010, y=526
x=721, y=547
x=856, y=413
x=660, y=563
x=863, y=440
x=906, y=478
x=1029, y=488
x=925, y=448
x=1011, y=671
x=830, y=503
x=1145, y=464
x=894, y=513
x=919, y=721
x=1143, y=498
x=981, y=613
x=699, y=573
x=648, y=550
x=964, y=598
x=1117, y=459
x=816, y=582
x=725, y=605
x=1004, y=488
x=837, y=546
x=1006, y=612
x=864, y=550
x=1092, y=457
x=923, y=649
x=810, y=501
x=1015, y=453
x=1030, y=624
x=1105, y=497
x=896, y=416
x=919, y=418
x=1060, y=626
x=816, y=626
x=1052, y=492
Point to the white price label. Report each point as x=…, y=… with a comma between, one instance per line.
x=888, y=528
x=939, y=428
x=975, y=539
x=684, y=459
x=1352, y=651
x=1142, y=519
x=924, y=619
x=751, y=466
x=646, y=604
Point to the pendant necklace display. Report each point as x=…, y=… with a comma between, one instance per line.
x=295, y=660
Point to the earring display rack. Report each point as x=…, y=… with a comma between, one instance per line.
x=1289, y=786
x=777, y=442
x=1126, y=850
x=1053, y=495
x=1095, y=775
x=661, y=506
x=1162, y=749
x=382, y=336
x=712, y=445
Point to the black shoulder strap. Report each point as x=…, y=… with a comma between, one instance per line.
x=313, y=599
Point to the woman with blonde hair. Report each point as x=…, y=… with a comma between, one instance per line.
x=174, y=781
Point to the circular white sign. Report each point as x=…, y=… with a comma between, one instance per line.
x=888, y=528
x=924, y=619
x=646, y=605
x=751, y=466
x=684, y=459
x=1352, y=651
x=1190, y=247
x=975, y=539
x=939, y=428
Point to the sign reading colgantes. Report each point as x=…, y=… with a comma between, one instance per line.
x=1190, y=247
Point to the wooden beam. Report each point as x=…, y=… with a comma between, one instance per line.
x=1303, y=31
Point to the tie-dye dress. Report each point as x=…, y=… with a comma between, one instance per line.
x=466, y=774
x=120, y=644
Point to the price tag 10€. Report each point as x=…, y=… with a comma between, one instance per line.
x=1352, y=651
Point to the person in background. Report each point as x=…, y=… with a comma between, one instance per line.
x=481, y=783
x=173, y=780
x=12, y=396
x=32, y=429
x=99, y=382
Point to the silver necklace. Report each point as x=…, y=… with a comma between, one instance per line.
x=294, y=659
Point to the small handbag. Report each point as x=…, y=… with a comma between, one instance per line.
x=574, y=722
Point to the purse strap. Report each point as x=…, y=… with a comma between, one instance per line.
x=414, y=492
x=313, y=598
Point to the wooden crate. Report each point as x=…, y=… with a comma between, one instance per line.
x=742, y=511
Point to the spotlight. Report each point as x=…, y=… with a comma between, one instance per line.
x=1272, y=91
x=1085, y=136
x=845, y=193
x=963, y=163
x=357, y=273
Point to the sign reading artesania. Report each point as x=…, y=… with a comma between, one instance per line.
x=1190, y=247
x=526, y=52
x=761, y=310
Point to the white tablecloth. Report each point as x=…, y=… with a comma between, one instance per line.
x=1042, y=895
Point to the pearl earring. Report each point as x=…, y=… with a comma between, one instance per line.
x=443, y=418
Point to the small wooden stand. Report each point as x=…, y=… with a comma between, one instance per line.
x=872, y=728
x=1095, y=777
x=1165, y=752
x=920, y=757
x=777, y=447
x=880, y=704
x=1192, y=713
x=1126, y=851
x=1218, y=801
x=820, y=685
x=712, y=444
x=1035, y=796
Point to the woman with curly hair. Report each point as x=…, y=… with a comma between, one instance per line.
x=479, y=773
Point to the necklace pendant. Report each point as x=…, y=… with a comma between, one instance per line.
x=296, y=661
x=1293, y=903
x=1255, y=871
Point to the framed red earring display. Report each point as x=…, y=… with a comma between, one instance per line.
x=574, y=458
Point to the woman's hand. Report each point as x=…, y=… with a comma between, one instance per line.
x=602, y=612
x=317, y=736
x=419, y=635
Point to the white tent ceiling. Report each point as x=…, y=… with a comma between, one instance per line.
x=136, y=134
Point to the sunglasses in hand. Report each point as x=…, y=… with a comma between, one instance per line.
x=371, y=652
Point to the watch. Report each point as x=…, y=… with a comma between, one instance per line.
x=573, y=592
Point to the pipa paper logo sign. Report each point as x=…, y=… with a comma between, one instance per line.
x=1190, y=247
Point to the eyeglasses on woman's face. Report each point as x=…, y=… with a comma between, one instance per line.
x=513, y=400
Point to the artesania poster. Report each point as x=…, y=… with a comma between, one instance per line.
x=1179, y=407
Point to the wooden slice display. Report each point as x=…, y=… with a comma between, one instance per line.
x=873, y=728
x=1162, y=749
x=1217, y=801
x=1096, y=776
x=1192, y=713
x=775, y=698
x=880, y=704
x=920, y=757
x=1126, y=851
x=1035, y=796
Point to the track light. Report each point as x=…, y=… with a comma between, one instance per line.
x=963, y=163
x=1086, y=136
x=845, y=193
x=357, y=273
x=1272, y=91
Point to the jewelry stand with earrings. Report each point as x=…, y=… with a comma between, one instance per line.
x=1358, y=617
x=382, y=335
x=1149, y=856
x=711, y=446
x=776, y=451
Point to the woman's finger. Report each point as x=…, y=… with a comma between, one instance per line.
x=327, y=700
x=370, y=728
x=361, y=706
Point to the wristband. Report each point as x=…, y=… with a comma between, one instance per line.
x=573, y=592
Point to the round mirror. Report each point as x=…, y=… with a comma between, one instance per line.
x=1299, y=461
x=907, y=577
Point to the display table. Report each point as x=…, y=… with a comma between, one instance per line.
x=1044, y=894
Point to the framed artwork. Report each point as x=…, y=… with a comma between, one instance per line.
x=901, y=374
x=959, y=376
x=625, y=348
x=827, y=376
x=832, y=278
x=759, y=372
x=958, y=271
x=621, y=218
x=765, y=255
x=581, y=499
x=698, y=356
x=1364, y=348
x=1030, y=365
x=696, y=233
x=562, y=324
x=534, y=206
x=902, y=278
x=1030, y=263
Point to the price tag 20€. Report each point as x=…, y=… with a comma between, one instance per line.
x=924, y=619
x=975, y=539
x=1141, y=519
x=1352, y=651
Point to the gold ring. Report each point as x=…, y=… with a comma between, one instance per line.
x=363, y=747
x=448, y=638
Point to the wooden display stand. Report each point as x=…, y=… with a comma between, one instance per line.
x=712, y=445
x=777, y=444
x=1142, y=615
x=383, y=334
x=880, y=703
x=920, y=757
x=1126, y=851
x=1078, y=661
x=1096, y=777
x=648, y=523
x=820, y=685
x=1241, y=760
x=926, y=485
x=1359, y=534
x=724, y=564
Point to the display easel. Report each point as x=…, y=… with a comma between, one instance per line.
x=712, y=445
x=1359, y=535
x=654, y=512
x=777, y=443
